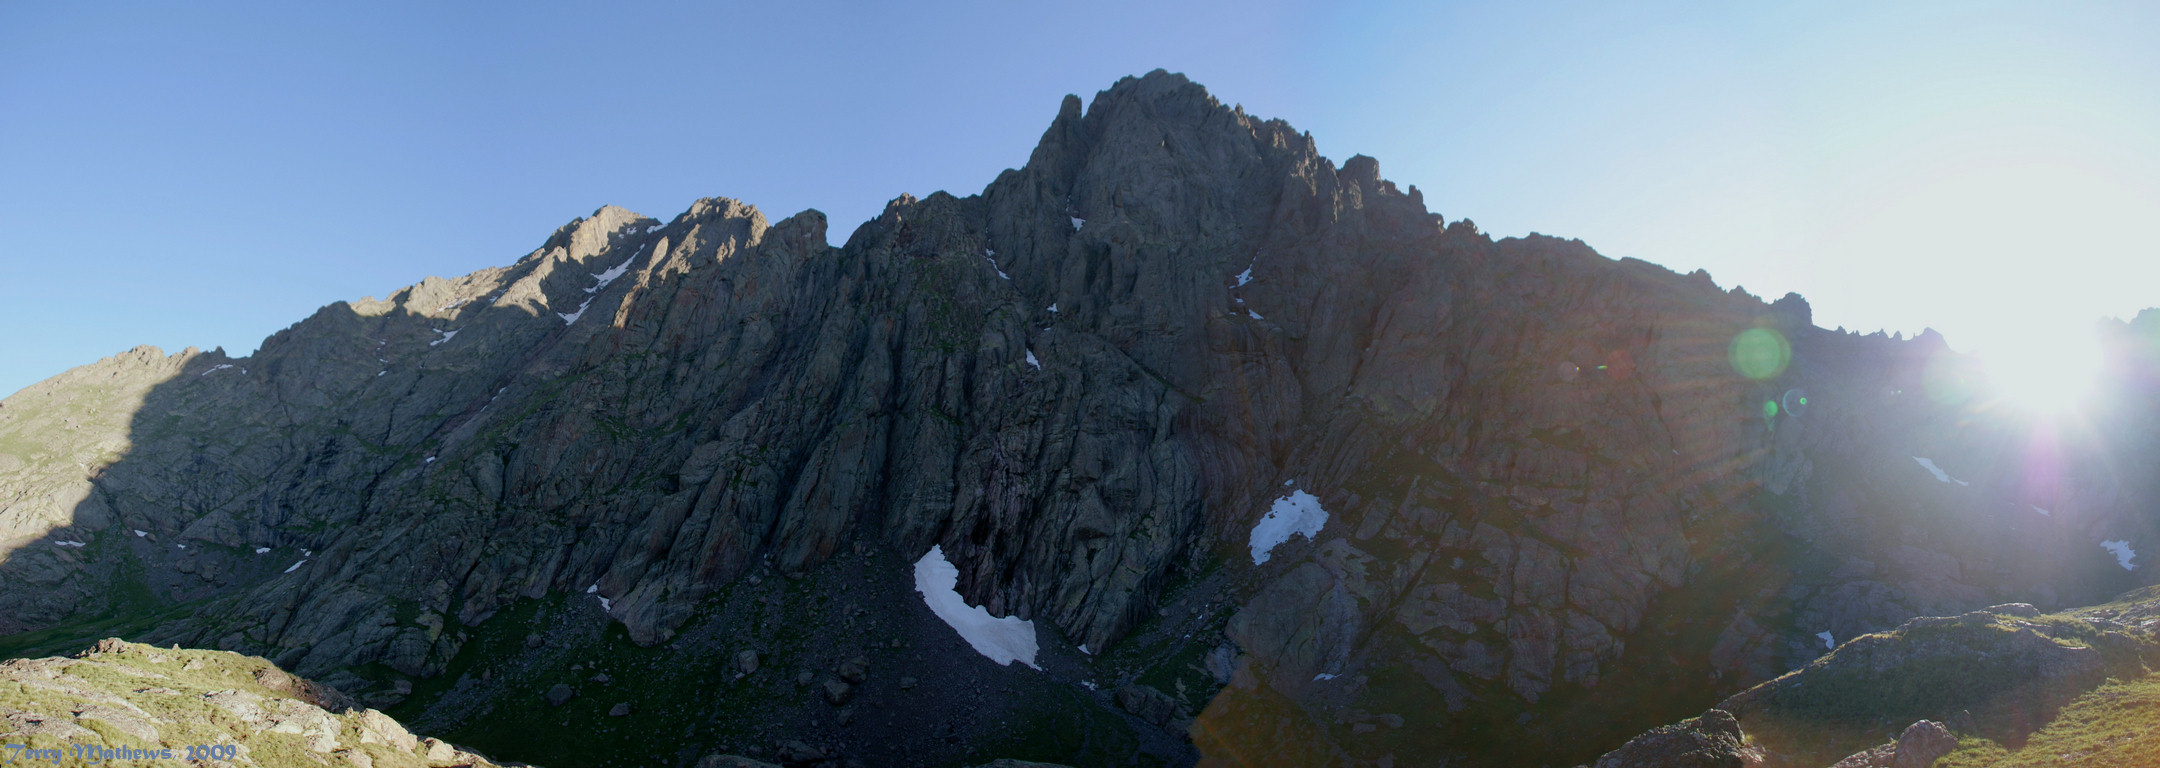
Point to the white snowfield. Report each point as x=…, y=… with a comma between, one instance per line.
x=2123, y=553
x=1298, y=513
x=1078, y=222
x=262, y=550
x=1003, y=640
x=446, y=336
x=1938, y=471
x=296, y=566
x=1827, y=642
x=573, y=316
x=614, y=272
x=1245, y=276
x=1032, y=361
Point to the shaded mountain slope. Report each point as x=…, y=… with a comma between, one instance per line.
x=1568, y=497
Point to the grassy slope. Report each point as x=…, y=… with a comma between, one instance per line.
x=159, y=682
x=2114, y=726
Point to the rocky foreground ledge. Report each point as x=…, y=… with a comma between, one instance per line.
x=119, y=701
x=127, y=703
x=2003, y=686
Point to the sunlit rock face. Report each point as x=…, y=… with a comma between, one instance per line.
x=1566, y=497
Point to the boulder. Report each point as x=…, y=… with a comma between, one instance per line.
x=855, y=670
x=1712, y=740
x=1922, y=744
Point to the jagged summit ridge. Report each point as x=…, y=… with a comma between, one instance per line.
x=1083, y=385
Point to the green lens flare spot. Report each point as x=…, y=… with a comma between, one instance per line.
x=1759, y=353
x=1769, y=409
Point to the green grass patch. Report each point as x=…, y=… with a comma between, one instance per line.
x=2114, y=726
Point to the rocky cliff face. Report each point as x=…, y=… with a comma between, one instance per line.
x=1558, y=486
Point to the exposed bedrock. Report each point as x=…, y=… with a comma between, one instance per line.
x=1545, y=471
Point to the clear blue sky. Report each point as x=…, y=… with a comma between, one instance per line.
x=205, y=174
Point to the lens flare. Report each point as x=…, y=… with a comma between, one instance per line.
x=1759, y=353
x=1795, y=402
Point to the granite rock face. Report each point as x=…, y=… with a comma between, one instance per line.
x=1547, y=473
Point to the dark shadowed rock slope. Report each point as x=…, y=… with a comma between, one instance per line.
x=1558, y=511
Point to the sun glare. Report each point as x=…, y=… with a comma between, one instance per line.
x=2043, y=372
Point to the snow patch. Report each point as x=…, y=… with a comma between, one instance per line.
x=1003, y=640
x=1827, y=642
x=606, y=605
x=1322, y=676
x=262, y=550
x=1077, y=221
x=994, y=266
x=655, y=228
x=2123, y=553
x=594, y=589
x=2043, y=512
x=1089, y=684
x=1053, y=307
x=1938, y=471
x=572, y=317
x=140, y=534
x=216, y=368
x=75, y=544
x=1245, y=276
x=446, y=336
x=612, y=273
x=1031, y=360
x=1254, y=315
x=1298, y=513
x=296, y=566
x=1083, y=649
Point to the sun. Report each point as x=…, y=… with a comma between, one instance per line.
x=2043, y=370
